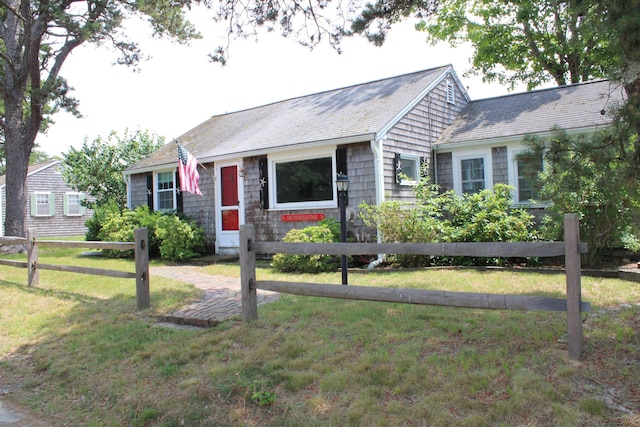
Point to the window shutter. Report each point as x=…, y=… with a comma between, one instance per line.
x=398, y=167
x=150, y=191
x=264, y=183
x=34, y=206
x=65, y=204
x=52, y=204
x=179, y=204
x=341, y=166
x=82, y=196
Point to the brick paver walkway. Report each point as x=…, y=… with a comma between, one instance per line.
x=220, y=301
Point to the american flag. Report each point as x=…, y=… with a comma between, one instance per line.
x=188, y=171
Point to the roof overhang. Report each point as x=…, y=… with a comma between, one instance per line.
x=367, y=137
x=453, y=146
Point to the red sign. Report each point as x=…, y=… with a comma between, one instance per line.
x=302, y=217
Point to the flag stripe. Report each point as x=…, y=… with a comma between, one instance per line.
x=188, y=171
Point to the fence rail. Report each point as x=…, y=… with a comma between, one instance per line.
x=571, y=248
x=140, y=248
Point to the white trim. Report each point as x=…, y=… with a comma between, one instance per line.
x=312, y=145
x=469, y=155
x=403, y=112
x=156, y=199
x=292, y=156
x=446, y=147
x=228, y=242
x=512, y=153
x=416, y=159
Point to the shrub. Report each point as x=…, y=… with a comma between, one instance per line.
x=100, y=215
x=179, y=239
x=317, y=263
x=482, y=217
x=171, y=237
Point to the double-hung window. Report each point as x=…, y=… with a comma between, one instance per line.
x=527, y=181
x=303, y=180
x=165, y=191
x=472, y=175
x=72, y=206
x=42, y=204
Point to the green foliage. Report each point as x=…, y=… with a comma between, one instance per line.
x=100, y=215
x=530, y=41
x=170, y=236
x=97, y=168
x=179, y=239
x=486, y=216
x=333, y=225
x=289, y=263
x=585, y=175
x=36, y=38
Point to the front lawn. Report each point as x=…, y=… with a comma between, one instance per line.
x=75, y=351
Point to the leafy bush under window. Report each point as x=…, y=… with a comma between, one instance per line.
x=485, y=216
x=318, y=263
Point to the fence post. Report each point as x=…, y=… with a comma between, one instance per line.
x=574, y=286
x=33, y=274
x=141, y=253
x=248, y=274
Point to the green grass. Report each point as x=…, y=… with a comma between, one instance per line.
x=75, y=350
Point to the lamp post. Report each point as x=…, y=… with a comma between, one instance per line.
x=342, y=184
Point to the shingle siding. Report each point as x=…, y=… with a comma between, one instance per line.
x=444, y=170
x=268, y=223
x=49, y=180
x=415, y=134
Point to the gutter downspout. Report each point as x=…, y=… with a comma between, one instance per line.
x=378, y=161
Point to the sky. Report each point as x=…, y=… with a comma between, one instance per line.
x=179, y=88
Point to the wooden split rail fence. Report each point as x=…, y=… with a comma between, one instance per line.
x=140, y=247
x=571, y=248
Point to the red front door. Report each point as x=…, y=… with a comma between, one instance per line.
x=229, y=197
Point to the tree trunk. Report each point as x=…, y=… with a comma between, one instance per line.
x=18, y=144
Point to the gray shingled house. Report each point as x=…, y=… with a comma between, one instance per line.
x=275, y=166
x=480, y=148
x=54, y=209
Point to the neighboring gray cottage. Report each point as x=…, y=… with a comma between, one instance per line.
x=275, y=166
x=53, y=209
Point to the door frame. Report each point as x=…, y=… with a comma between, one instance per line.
x=228, y=242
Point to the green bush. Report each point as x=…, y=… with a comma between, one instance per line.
x=486, y=216
x=179, y=239
x=171, y=237
x=333, y=225
x=100, y=215
x=289, y=263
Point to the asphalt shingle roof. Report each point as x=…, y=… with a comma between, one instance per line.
x=31, y=169
x=571, y=107
x=357, y=110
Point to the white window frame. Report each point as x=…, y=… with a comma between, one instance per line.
x=50, y=204
x=67, y=205
x=292, y=156
x=457, y=168
x=416, y=165
x=515, y=181
x=157, y=191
